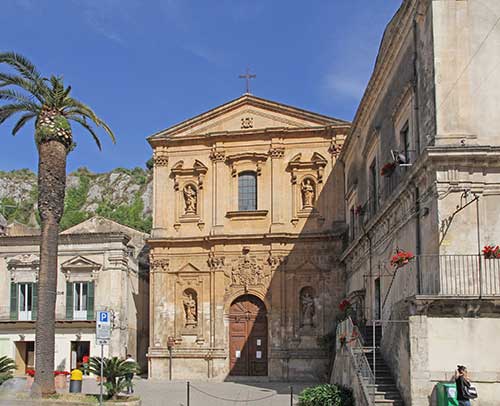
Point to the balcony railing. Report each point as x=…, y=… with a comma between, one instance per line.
x=445, y=276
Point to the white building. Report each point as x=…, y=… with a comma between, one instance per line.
x=100, y=267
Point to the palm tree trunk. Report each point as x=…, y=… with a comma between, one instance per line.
x=51, y=188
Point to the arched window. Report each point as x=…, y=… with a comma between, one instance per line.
x=247, y=191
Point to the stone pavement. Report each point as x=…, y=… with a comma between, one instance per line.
x=173, y=393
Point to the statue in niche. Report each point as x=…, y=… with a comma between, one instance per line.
x=307, y=194
x=189, y=303
x=190, y=199
x=307, y=308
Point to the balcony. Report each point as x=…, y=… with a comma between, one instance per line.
x=440, y=277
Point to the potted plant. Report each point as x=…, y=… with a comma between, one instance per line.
x=60, y=379
x=401, y=258
x=388, y=169
x=491, y=252
x=115, y=371
x=345, y=306
x=30, y=377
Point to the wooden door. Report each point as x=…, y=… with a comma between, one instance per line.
x=248, y=337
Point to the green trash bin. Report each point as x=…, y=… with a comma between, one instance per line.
x=447, y=394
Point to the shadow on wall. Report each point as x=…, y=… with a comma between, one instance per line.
x=283, y=332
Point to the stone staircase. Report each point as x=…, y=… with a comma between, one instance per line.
x=386, y=391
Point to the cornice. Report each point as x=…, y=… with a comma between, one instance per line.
x=389, y=50
x=67, y=239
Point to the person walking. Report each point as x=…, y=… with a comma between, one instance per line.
x=129, y=376
x=463, y=384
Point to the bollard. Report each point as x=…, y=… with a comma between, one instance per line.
x=187, y=393
x=75, y=382
x=291, y=395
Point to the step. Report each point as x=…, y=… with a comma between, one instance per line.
x=387, y=396
x=389, y=402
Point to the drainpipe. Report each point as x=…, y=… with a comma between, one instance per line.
x=418, y=236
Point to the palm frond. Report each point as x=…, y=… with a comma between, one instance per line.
x=75, y=107
x=6, y=365
x=12, y=95
x=7, y=79
x=22, y=121
x=25, y=67
x=9, y=109
x=88, y=127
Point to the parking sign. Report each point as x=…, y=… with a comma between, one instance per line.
x=103, y=326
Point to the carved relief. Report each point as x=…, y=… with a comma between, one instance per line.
x=308, y=193
x=159, y=264
x=275, y=261
x=190, y=304
x=247, y=122
x=215, y=262
x=277, y=152
x=247, y=272
x=160, y=158
x=190, y=199
x=307, y=306
x=217, y=155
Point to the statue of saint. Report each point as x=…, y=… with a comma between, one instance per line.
x=190, y=309
x=190, y=198
x=307, y=305
x=307, y=194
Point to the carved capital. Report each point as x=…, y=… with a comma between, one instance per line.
x=275, y=261
x=216, y=263
x=277, y=152
x=217, y=155
x=160, y=159
x=159, y=264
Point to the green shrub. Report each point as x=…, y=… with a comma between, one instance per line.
x=114, y=370
x=7, y=365
x=326, y=395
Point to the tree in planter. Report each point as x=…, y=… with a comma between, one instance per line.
x=7, y=365
x=114, y=370
x=49, y=103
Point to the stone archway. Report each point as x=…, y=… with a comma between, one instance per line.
x=248, y=337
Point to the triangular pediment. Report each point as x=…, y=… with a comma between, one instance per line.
x=246, y=114
x=98, y=224
x=189, y=267
x=80, y=262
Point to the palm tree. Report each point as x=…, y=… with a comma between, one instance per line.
x=47, y=101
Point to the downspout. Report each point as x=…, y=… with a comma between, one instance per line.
x=418, y=236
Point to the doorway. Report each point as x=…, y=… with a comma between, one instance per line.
x=25, y=356
x=248, y=337
x=79, y=351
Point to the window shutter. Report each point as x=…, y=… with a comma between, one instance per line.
x=90, y=300
x=13, y=301
x=34, y=301
x=69, y=301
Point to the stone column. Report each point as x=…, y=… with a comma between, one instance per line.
x=277, y=188
x=219, y=188
x=160, y=195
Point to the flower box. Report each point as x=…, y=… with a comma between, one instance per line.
x=401, y=258
x=491, y=252
x=388, y=169
x=60, y=378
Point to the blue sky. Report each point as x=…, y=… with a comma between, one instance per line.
x=144, y=65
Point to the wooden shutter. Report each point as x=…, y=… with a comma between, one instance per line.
x=34, y=301
x=90, y=300
x=13, y=301
x=69, y=301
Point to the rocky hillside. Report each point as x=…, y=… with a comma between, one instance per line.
x=123, y=195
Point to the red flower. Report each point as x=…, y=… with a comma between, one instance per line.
x=388, y=168
x=30, y=372
x=344, y=305
x=490, y=251
x=57, y=373
x=401, y=258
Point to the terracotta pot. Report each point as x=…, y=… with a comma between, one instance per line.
x=29, y=381
x=60, y=382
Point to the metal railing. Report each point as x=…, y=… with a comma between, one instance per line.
x=348, y=334
x=453, y=276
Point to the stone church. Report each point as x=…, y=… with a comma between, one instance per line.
x=244, y=276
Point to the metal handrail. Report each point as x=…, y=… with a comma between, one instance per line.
x=355, y=346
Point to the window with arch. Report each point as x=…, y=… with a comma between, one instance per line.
x=247, y=191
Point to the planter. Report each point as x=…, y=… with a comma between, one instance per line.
x=60, y=382
x=29, y=381
x=401, y=259
x=491, y=252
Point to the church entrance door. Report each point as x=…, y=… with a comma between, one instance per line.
x=248, y=337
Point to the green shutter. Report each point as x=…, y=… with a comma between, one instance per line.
x=34, y=301
x=13, y=301
x=90, y=300
x=69, y=301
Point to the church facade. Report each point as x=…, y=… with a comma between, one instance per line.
x=244, y=272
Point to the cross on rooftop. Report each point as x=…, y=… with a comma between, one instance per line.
x=247, y=76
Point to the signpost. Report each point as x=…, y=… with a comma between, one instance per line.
x=170, y=346
x=103, y=335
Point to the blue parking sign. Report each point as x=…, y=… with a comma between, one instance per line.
x=104, y=317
